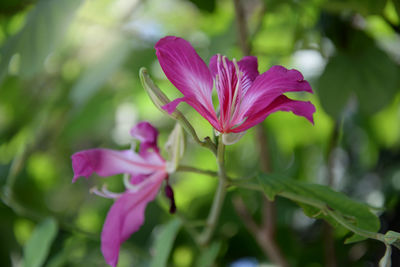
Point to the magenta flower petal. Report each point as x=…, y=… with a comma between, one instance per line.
x=138, y=178
x=107, y=162
x=245, y=97
x=232, y=80
x=146, y=134
x=281, y=103
x=271, y=84
x=126, y=216
x=188, y=72
x=171, y=106
x=249, y=66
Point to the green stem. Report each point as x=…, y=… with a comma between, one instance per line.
x=184, y=168
x=219, y=197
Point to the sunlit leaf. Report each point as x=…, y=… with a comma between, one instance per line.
x=95, y=76
x=38, y=246
x=163, y=244
x=44, y=29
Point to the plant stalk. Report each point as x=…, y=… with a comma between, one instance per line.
x=212, y=220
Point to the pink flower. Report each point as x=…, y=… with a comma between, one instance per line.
x=245, y=97
x=146, y=170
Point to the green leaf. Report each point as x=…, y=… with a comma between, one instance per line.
x=44, y=29
x=205, y=5
x=396, y=4
x=208, y=256
x=163, y=244
x=38, y=246
x=365, y=7
x=320, y=201
x=11, y=7
x=362, y=70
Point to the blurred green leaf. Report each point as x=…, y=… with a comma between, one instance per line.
x=38, y=246
x=95, y=76
x=44, y=29
x=396, y=4
x=365, y=7
x=320, y=201
x=10, y=7
x=205, y=5
x=362, y=69
x=163, y=243
x=208, y=256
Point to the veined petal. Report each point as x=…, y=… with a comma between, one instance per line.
x=107, y=162
x=126, y=216
x=269, y=85
x=249, y=66
x=146, y=134
x=171, y=106
x=232, y=80
x=228, y=80
x=188, y=72
x=281, y=103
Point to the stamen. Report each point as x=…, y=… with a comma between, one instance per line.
x=104, y=192
x=128, y=184
x=134, y=188
x=229, y=84
x=219, y=84
x=109, y=193
x=234, y=105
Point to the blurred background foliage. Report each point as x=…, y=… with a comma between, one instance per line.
x=69, y=81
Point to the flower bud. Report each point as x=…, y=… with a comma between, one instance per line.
x=158, y=98
x=175, y=147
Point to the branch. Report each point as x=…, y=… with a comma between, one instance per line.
x=261, y=234
x=219, y=197
x=184, y=168
x=266, y=238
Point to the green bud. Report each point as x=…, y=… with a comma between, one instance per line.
x=175, y=147
x=158, y=98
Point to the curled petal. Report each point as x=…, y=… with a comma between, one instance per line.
x=281, y=103
x=126, y=216
x=271, y=84
x=146, y=134
x=171, y=106
x=107, y=162
x=138, y=178
x=169, y=192
x=188, y=72
x=249, y=66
